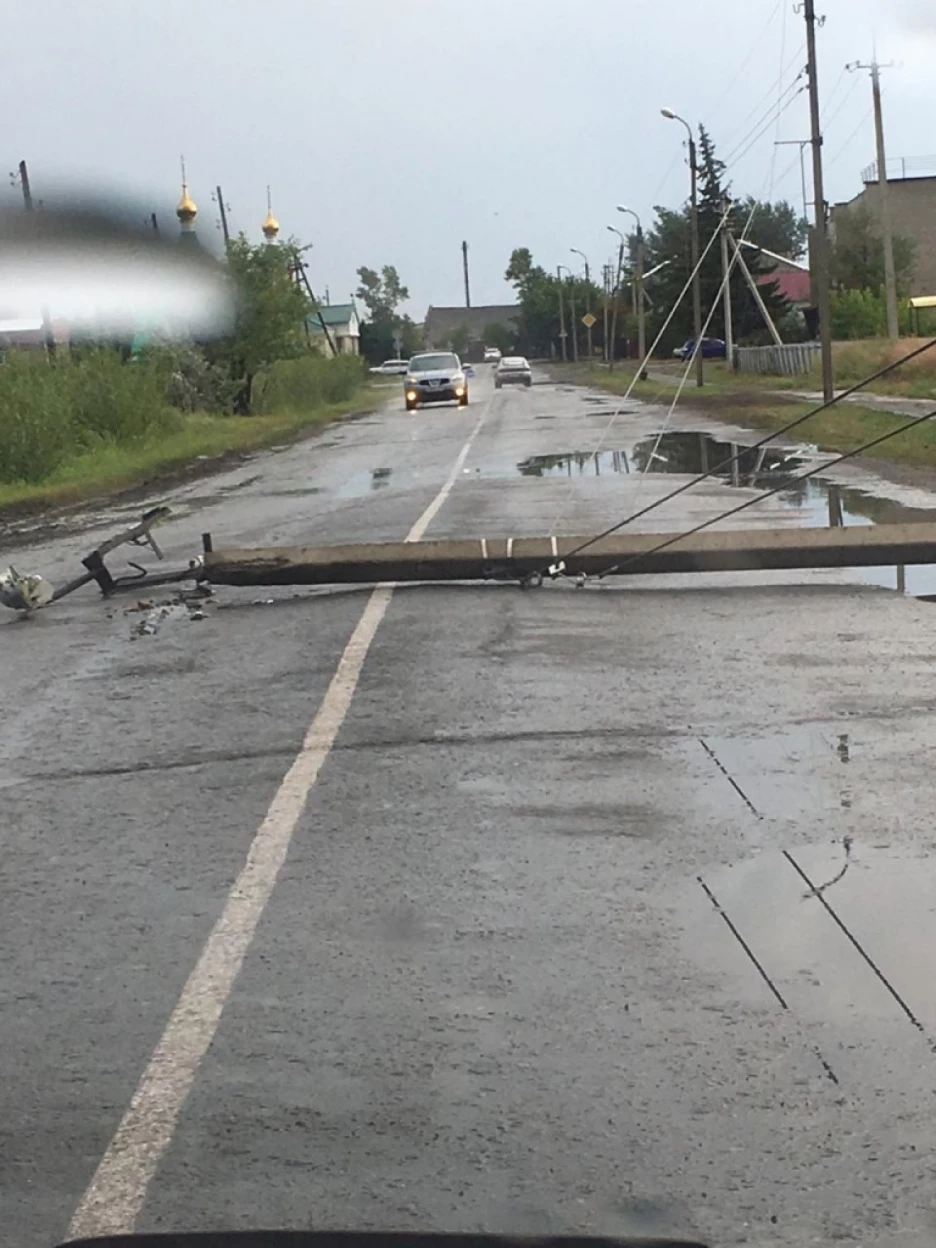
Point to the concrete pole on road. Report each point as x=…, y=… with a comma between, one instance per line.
x=819, y=260
x=694, y=245
x=562, y=327
x=588, y=299
x=887, y=236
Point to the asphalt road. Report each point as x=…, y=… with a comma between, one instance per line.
x=467, y=907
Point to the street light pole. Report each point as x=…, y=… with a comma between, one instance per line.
x=617, y=294
x=639, y=287
x=572, y=323
x=588, y=327
x=694, y=245
x=562, y=329
x=819, y=249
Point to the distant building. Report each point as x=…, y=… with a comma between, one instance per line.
x=911, y=194
x=187, y=211
x=442, y=324
x=344, y=328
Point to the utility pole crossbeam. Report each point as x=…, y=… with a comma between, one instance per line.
x=820, y=241
x=887, y=235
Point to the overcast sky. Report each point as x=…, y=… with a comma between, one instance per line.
x=392, y=129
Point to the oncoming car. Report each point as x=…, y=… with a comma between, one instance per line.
x=391, y=368
x=435, y=377
x=513, y=370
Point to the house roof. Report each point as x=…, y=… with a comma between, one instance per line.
x=441, y=323
x=792, y=285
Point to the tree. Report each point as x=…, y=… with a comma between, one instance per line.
x=668, y=243
x=538, y=299
x=461, y=339
x=858, y=252
x=775, y=226
x=271, y=315
x=382, y=293
x=499, y=335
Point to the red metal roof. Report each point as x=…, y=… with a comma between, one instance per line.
x=792, y=285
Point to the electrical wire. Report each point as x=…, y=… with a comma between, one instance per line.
x=774, y=86
x=643, y=363
x=766, y=118
x=750, y=502
x=764, y=128
x=770, y=437
x=755, y=48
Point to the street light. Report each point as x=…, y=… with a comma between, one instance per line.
x=694, y=232
x=588, y=327
x=562, y=329
x=617, y=294
x=639, y=287
x=559, y=269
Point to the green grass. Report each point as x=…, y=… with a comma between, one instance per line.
x=841, y=428
x=114, y=467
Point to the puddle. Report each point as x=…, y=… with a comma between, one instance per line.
x=690, y=453
x=577, y=463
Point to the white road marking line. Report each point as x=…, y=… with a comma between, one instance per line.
x=484, y=552
x=115, y=1195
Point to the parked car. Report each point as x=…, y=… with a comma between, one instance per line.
x=712, y=349
x=513, y=370
x=435, y=377
x=391, y=368
x=492, y=355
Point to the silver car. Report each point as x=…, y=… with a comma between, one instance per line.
x=513, y=370
x=435, y=377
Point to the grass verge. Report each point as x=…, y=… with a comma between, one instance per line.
x=841, y=428
x=111, y=468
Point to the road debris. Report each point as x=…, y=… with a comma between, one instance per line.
x=24, y=593
x=30, y=592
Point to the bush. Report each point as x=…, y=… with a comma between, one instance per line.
x=52, y=409
x=197, y=385
x=307, y=382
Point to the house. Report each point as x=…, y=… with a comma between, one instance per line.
x=343, y=325
x=911, y=196
x=442, y=324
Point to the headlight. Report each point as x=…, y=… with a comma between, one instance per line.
x=458, y=379
x=459, y=391
x=410, y=381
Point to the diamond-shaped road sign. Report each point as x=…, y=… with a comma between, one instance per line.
x=588, y=320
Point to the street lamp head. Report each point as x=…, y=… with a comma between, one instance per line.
x=668, y=114
x=624, y=208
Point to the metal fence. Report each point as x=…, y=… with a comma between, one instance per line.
x=788, y=360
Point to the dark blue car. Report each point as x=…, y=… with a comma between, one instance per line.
x=712, y=349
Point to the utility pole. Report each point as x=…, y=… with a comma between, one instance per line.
x=224, y=221
x=802, y=144
x=697, y=277
x=819, y=265
x=890, y=271
x=28, y=205
x=587, y=302
x=465, y=267
x=726, y=278
x=641, y=314
x=562, y=327
x=572, y=318
x=154, y=224
x=617, y=302
x=605, y=284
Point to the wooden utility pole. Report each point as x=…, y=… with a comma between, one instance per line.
x=887, y=235
x=465, y=267
x=819, y=265
x=224, y=221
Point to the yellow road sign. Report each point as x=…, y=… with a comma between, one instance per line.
x=588, y=320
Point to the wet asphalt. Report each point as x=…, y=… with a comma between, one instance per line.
x=610, y=911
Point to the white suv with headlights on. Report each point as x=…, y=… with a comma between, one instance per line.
x=435, y=377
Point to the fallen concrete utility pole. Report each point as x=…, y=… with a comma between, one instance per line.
x=523, y=557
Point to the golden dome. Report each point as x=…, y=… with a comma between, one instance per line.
x=270, y=226
x=186, y=209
